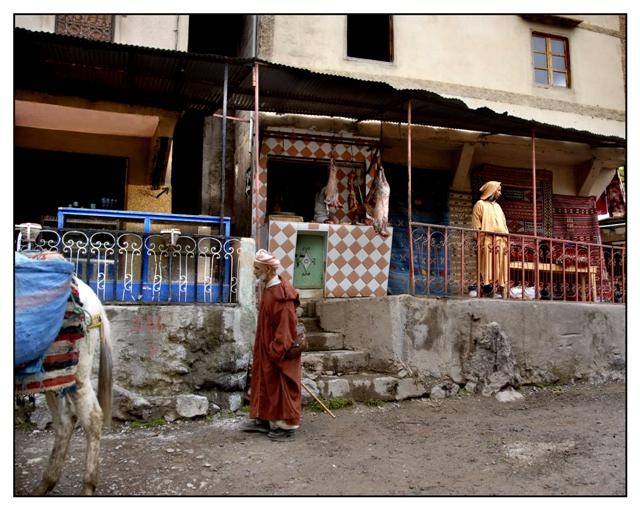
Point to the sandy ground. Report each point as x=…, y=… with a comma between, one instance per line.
x=557, y=441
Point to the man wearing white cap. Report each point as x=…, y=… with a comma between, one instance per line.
x=492, y=249
x=275, y=406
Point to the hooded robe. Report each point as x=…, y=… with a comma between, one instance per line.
x=493, y=249
x=275, y=381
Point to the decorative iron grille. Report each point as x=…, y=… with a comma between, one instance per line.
x=98, y=27
x=146, y=267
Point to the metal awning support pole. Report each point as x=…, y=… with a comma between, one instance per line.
x=533, y=164
x=535, y=212
x=256, y=151
x=412, y=285
x=224, y=145
x=221, y=278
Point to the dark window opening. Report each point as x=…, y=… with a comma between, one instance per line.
x=370, y=36
x=428, y=193
x=292, y=184
x=45, y=180
x=186, y=175
x=217, y=34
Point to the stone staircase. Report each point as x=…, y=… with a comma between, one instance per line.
x=331, y=369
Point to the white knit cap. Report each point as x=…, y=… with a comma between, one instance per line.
x=264, y=257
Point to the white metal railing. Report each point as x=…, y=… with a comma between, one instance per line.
x=132, y=267
x=170, y=267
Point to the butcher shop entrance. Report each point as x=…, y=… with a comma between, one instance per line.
x=291, y=184
x=342, y=257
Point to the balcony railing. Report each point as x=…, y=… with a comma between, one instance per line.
x=138, y=267
x=171, y=267
x=446, y=263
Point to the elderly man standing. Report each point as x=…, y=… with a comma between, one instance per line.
x=493, y=249
x=275, y=405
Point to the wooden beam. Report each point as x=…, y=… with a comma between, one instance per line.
x=461, y=180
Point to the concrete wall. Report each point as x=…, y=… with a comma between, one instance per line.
x=163, y=351
x=166, y=31
x=484, y=59
x=552, y=342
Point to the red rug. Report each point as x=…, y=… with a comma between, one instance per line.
x=575, y=219
x=517, y=197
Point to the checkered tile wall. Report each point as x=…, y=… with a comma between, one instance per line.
x=357, y=257
x=309, y=148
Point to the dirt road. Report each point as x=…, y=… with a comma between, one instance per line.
x=556, y=441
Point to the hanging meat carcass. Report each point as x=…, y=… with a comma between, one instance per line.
x=381, y=210
x=377, y=201
x=332, y=196
x=356, y=210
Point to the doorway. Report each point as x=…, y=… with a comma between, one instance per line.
x=292, y=184
x=308, y=271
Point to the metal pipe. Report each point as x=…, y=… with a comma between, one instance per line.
x=255, y=36
x=535, y=204
x=256, y=150
x=409, y=211
x=222, y=170
x=231, y=118
x=177, y=32
x=224, y=143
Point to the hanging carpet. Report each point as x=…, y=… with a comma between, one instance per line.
x=517, y=197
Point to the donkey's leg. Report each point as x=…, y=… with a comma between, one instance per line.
x=90, y=415
x=63, y=424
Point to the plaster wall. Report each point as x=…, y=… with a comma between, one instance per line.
x=38, y=23
x=165, y=31
x=552, y=342
x=443, y=54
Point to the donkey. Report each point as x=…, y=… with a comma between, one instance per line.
x=93, y=411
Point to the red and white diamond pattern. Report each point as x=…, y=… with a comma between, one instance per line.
x=357, y=258
x=307, y=148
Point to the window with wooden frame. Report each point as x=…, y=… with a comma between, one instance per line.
x=551, y=60
x=370, y=36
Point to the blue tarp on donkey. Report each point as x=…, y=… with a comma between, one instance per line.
x=42, y=288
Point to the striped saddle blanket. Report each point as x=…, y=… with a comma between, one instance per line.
x=58, y=372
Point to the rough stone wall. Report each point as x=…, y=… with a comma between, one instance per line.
x=169, y=350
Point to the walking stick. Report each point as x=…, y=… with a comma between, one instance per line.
x=317, y=399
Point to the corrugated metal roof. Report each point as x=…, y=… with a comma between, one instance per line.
x=179, y=81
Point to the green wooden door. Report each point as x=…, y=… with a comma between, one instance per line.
x=308, y=272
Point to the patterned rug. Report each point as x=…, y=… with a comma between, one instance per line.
x=517, y=197
x=61, y=360
x=575, y=219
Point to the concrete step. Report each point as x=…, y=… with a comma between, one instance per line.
x=332, y=371
x=325, y=341
x=364, y=387
x=335, y=361
x=311, y=324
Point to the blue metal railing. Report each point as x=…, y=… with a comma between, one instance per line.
x=124, y=265
x=148, y=218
